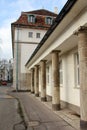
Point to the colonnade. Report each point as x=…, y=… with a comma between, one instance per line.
x=82, y=49
x=55, y=75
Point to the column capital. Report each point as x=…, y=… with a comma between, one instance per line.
x=43, y=61
x=55, y=51
x=81, y=29
x=36, y=66
x=32, y=69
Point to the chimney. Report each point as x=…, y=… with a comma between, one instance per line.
x=55, y=10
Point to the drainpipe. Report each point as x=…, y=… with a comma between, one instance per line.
x=17, y=58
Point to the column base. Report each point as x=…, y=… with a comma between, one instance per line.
x=29, y=90
x=44, y=99
x=37, y=95
x=55, y=107
x=32, y=92
x=83, y=124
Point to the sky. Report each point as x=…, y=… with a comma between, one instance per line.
x=10, y=11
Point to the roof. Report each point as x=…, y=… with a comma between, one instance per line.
x=69, y=4
x=40, y=16
x=42, y=12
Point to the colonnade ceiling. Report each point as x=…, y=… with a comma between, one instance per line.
x=69, y=44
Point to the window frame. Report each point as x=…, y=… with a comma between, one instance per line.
x=61, y=73
x=31, y=18
x=30, y=34
x=77, y=76
x=49, y=20
x=48, y=75
x=38, y=35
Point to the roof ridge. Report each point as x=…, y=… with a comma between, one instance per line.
x=38, y=10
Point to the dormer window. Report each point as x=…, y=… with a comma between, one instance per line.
x=49, y=20
x=31, y=18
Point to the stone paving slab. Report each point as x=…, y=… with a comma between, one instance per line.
x=66, y=114
x=38, y=116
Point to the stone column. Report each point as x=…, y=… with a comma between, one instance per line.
x=55, y=81
x=43, y=80
x=37, y=81
x=82, y=48
x=32, y=80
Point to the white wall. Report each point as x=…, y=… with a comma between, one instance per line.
x=27, y=45
x=24, y=36
x=26, y=51
x=68, y=91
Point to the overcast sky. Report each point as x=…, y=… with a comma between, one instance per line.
x=10, y=10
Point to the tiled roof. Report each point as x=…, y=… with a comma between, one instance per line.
x=40, y=16
x=42, y=12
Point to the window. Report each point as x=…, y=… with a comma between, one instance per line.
x=40, y=76
x=37, y=35
x=31, y=18
x=30, y=34
x=61, y=73
x=48, y=75
x=49, y=20
x=77, y=79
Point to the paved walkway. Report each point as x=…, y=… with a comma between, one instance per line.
x=66, y=114
x=10, y=119
x=39, y=115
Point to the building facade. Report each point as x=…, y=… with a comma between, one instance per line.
x=59, y=63
x=27, y=32
x=6, y=70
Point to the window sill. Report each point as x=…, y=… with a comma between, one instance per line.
x=77, y=87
